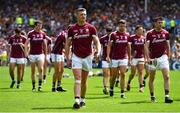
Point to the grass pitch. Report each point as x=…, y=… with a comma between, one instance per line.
x=24, y=100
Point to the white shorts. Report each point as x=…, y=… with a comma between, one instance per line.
x=17, y=60
x=48, y=58
x=57, y=58
x=118, y=63
x=159, y=63
x=25, y=60
x=36, y=58
x=136, y=61
x=82, y=63
x=105, y=64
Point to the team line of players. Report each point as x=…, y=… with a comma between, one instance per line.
x=119, y=50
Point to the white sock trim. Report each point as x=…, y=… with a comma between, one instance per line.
x=82, y=100
x=77, y=100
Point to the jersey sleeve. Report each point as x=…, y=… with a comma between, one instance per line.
x=70, y=33
x=101, y=40
x=112, y=37
x=24, y=40
x=10, y=41
x=130, y=39
x=167, y=35
x=148, y=35
x=93, y=31
x=44, y=36
x=29, y=36
x=64, y=37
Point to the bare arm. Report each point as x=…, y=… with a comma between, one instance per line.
x=8, y=49
x=129, y=52
x=67, y=48
x=168, y=49
x=26, y=47
x=146, y=51
x=45, y=47
x=108, y=51
x=49, y=48
x=145, y=57
x=97, y=44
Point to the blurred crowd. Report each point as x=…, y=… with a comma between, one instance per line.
x=58, y=14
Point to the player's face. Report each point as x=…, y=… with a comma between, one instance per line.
x=140, y=31
x=122, y=27
x=81, y=16
x=39, y=26
x=158, y=24
x=18, y=34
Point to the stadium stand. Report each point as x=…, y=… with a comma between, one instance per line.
x=58, y=14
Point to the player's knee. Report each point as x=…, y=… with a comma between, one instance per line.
x=151, y=79
x=140, y=72
x=83, y=82
x=122, y=75
x=132, y=74
x=77, y=81
x=61, y=71
x=40, y=69
x=33, y=75
x=166, y=77
x=11, y=71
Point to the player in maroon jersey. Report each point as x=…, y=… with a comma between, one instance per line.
x=120, y=56
x=17, y=56
x=137, y=43
x=37, y=53
x=80, y=36
x=157, y=53
x=105, y=65
x=57, y=58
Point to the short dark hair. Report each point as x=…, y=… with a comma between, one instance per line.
x=108, y=29
x=122, y=21
x=138, y=26
x=37, y=22
x=69, y=26
x=23, y=32
x=158, y=18
x=17, y=30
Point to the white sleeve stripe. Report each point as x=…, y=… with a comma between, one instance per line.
x=70, y=38
x=94, y=36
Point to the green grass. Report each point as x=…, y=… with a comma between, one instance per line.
x=24, y=100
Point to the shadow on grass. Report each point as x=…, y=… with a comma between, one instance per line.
x=41, y=91
x=4, y=88
x=45, y=108
x=12, y=90
x=95, y=93
x=97, y=97
x=101, y=92
x=15, y=91
x=98, y=86
x=101, y=87
x=136, y=102
x=178, y=100
x=20, y=90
